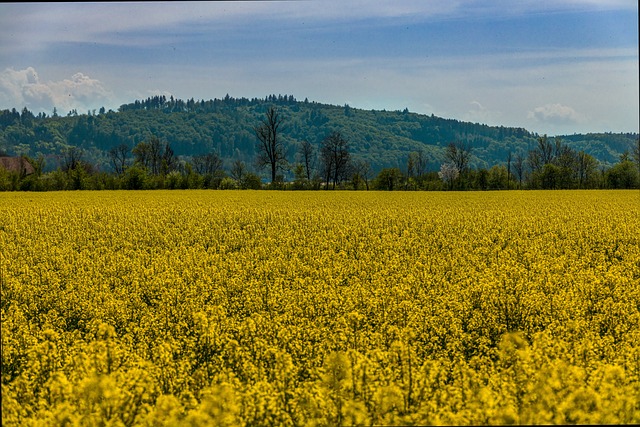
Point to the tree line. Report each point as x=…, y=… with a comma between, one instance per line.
x=226, y=127
x=153, y=164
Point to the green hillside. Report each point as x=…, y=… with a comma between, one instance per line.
x=382, y=138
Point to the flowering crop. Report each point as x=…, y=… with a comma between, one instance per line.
x=285, y=308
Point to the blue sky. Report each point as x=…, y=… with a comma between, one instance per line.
x=553, y=67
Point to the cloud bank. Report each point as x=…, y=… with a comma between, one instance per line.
x=24, y=88
x=557, y=114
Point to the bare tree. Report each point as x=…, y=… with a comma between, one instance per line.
x=586, y=168
x=207, y=164
x=416, y=167
x=270, y=147
x=157, y=157
x=327, y=164
x=459, y=153
x=335, y=157
x=420, y=163
x=210, y=167
x=238, y=171
x=148, y=154
x=518, y=167
x=306, y=152
x=542, y=154
x=71, y=158
x=566, y=159
x=168, y=160
x=118, y=156
x=361, y=172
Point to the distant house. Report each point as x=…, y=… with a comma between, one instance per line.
x=17, y=164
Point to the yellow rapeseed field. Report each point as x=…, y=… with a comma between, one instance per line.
x=320, y=308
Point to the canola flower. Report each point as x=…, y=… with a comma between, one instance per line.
x=294, y=308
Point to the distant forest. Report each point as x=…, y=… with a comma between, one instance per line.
x=224, y=143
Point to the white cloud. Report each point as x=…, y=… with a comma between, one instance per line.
x=556, y=114
x=479, y=113
x=23, y=88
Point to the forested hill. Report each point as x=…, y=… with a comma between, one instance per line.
x=226, y=126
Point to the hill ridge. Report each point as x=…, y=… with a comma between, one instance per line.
x=382, y=138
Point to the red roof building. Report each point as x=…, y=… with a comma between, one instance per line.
x=17, y=164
